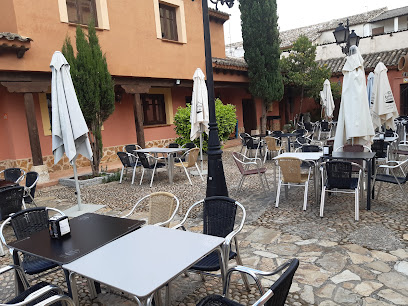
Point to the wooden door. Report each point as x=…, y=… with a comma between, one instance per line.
x=249, y=115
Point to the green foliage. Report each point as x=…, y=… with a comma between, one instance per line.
x=112, y=178
x=226, y=120
x=93, y=85
x=336, y=90
x=301, y=71
x=260, y=36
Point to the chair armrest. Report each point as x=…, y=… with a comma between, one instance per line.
x=254, y=274
x=181, y=224
x=134, y=206
x=231, y=235
x=19, y=272
x=40, y=292
x=58, y=298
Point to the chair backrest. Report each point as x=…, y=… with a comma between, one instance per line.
x=238, y=161
x=308, y=126
x=125, y=159
x=189, y=145
x=192, y=157
x=290, y=169
x=303, y=140
x=353, y=148
x=11, y=200
x=379, y=148
x=249, y=142
x=13, y=174
x=219, y=216
x=389, y=133
x=310, y=148
x=277, y=133
x=174, y=145
x=271, y=143
x=162, y=206
x=339, y=174
x=281, y=287
x=324, y=126
x=300, y=132
x=31, y=178
x=130, y=148
x=143, y=159
x=29, y=221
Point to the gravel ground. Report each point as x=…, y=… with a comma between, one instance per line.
x=384, y=228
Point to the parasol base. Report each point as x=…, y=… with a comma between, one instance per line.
x=85, y=208
x=195, y=172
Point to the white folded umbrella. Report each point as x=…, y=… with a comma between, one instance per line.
x=69, y=129
x=326, y=100
x=383, y=108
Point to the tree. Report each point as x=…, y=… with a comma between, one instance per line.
x=226, y=120
x=301, y=71
x=93, y=85
x=260, y=36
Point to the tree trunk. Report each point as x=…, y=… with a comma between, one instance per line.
x=263, y=117
x=96, y=152
x=301, y=100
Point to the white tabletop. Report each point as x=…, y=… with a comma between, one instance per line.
x=146, y=259
x=302, y=155
x=386, y=139
x=161, y=150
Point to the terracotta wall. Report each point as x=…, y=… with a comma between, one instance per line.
x=8, y=18
x=131, y=22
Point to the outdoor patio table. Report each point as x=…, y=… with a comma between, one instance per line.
x=369, y=157
x=313, y=157
x=143, y=261
x=88, y=233
x=386, y=139
x=170, y=153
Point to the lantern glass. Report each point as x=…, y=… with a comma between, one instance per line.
x=340, y=34
x=354, y=39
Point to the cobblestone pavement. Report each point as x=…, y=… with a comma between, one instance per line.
x=342, y=261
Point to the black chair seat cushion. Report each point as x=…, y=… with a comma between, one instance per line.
x=390, y=179
x=211, y=262
x=33, y=265
x=32, y=289
x=353, y=184
x=217, y=300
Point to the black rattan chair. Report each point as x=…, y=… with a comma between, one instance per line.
x=275, y=296
x=252, y=143
x=219, y=220
x=396, y=172
x=30, y=186
x=189, y=145
x=24, y=224
x=310, y=148
x=128, y=160
x=11, y=201
x=380, y=149
x=146, y=164
x=41, y=293
x=13, y=174
x=337, y=178
x=324, y=128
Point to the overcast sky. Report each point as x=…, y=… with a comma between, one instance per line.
x=298, y=13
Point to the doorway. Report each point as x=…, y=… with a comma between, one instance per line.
x=249, y=115
x=404, y=100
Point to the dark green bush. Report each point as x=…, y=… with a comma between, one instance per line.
x=226, y=119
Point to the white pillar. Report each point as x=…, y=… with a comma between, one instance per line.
x=395, y=24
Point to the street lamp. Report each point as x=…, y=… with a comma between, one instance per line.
x=342, y=35
x=216, y=185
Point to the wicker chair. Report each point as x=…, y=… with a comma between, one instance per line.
x=336, y=178
x=163, y=206
x=245, y=164
x=191, y=157
x=272, y=146
x=396, y=173
x=11, y=201
x=13, y=174
x=146, y=164
x=128, y=160
x=32, y=178
x=41, y=293
x=219, y=219
x=24, y=224
x=290, y=174
x=275, y=296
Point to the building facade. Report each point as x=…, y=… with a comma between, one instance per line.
x=153, y=48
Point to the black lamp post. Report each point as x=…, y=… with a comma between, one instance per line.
x=342, y=35
x=216, y=184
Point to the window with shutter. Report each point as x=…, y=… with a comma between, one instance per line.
x=81, y=11
x=168, y=22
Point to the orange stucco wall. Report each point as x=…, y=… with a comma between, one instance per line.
x=8, y=18
x=131, y=45
x=217, y=39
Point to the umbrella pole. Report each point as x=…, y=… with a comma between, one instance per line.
x=201, y=146
x=78, y=190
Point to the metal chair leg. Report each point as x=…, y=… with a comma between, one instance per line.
x=278, y=193
x=121, y=175
x=322, y=201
